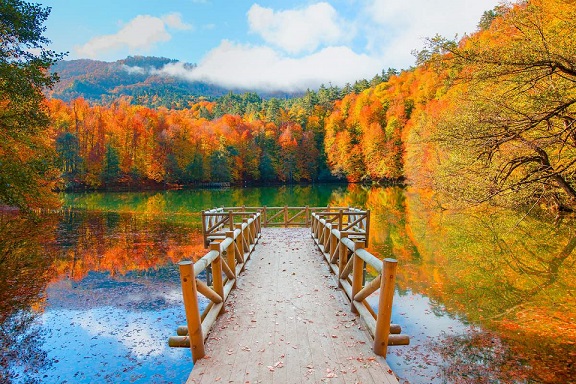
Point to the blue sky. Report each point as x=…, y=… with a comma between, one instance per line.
x=269, y=44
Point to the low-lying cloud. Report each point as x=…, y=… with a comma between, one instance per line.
x=238, y=66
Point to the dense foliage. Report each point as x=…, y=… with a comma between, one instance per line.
x=238, y=138
x=27, y=173
x=510, y=121
x=494, y=111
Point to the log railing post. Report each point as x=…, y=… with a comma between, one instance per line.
x=314, y=226
x=327, y=232
x=247, y=236
x=342, y=256
x=231, y=220
x=333, y=243
x=385, y=306
x=217, y=280
x=230, y=256
x=240, y=241
x=367, y=229
x=253, y=228
x=285, y=216
x=193, y=320
x=357, y=273
x=258, y=218
x=265, y=217
x=204, y=229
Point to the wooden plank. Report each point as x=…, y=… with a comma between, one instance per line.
x=287, y=323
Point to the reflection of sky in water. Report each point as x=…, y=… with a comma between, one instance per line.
x=415, y=314
x=103, y=330
x=111, y=345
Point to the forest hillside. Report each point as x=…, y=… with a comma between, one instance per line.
x=487, y=118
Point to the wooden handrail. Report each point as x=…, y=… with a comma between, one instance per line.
x=344, y=250
x=213, y=220
x=227, y=259
x=341, y=234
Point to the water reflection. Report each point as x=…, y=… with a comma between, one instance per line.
x=24, y=274
x=91, y=297
x=509, y=278
x=108, y=329
x=120, y=242
x=184, y=205
x=486, y=295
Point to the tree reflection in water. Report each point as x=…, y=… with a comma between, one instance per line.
x=486, y=294
x=509, y=276
x=24, y=275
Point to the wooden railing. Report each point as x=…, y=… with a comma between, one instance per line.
x=232, y=234
x=343, y=242
x=227, y=257
x=216, y=221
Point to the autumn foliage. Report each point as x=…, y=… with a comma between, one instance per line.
x=494, y=111
x=122, y=143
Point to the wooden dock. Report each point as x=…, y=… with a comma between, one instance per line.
x=287, y=322
x=292, y=309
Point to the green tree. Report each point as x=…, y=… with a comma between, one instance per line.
x=68, y=148
x=111, y=170
x=266, y=167
x=220, y=169
x=27, y=168
x=195, y=169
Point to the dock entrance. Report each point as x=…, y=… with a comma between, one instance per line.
x=289, y=318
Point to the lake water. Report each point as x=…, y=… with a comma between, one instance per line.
x=91, y=295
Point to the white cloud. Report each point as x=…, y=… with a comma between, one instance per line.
x=259, y=67
x=395, y=28
x=134, y=70
x=305, y=47
x=174, y=20
x=139, y=34
x=310, y=46
x=301, y=30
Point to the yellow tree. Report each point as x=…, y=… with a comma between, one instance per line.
x=511, y=130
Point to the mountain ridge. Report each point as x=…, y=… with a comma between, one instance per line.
x=138, y=77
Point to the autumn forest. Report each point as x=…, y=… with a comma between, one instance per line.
x=494, y=110
x=466, y=162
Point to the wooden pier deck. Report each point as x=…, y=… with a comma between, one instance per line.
x=288, y=322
